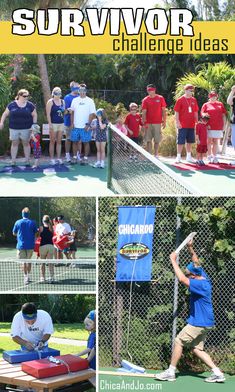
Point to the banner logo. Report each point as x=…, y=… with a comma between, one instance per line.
x=134, y=251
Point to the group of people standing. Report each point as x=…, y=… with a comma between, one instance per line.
x=47, y=238
x=206, y=129
x=77, y=118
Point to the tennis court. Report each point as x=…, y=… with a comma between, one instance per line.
x=70, y=180
x=134, y=171
x=185, y=381
x=68, y=276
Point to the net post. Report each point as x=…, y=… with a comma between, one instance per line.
x=110, y=157
x=176, y=283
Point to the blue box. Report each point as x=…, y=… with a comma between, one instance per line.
x=18, y=356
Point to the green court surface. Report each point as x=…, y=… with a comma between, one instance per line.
x=78, y=181
x=208, y=182
x=69, y=276
x=193, y=382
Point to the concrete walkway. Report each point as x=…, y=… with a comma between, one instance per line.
x=71, y=342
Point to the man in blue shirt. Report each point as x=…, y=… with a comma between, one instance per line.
x=74, y=86
x=25, y=230
x=200, y=320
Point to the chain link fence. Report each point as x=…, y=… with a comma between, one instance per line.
x=141, y=327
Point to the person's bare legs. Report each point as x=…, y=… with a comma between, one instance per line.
x=156, y=146
x=204, y=357
x=14, y=150
x=52, y=144
x=98, y=149
x=177, y=354
x=149, y=147
x=86, y=149
x=59, y=136
x=26, y=147
x=209, y=147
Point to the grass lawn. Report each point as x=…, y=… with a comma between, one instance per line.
x=67, y=331
x=6, y=343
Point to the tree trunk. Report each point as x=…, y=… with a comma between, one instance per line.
x=17, y=67
x=44, y=77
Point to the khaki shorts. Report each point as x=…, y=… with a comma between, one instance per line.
x=46, y=251
x=57, y=127
x=193, y=337
x=67, y=131
x=153, y=132
x=24, y=254
x=17, y=134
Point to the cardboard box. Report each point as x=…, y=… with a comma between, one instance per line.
x=44, y=368
x=17, y=356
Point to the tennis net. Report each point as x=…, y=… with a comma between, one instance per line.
x=132, y=170
x=48, y=275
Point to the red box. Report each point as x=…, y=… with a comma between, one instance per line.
x=44, y=368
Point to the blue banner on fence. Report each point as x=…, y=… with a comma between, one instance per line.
x=135, y=237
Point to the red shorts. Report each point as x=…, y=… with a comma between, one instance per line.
x=202, y=148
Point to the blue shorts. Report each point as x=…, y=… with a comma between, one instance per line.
x=80, y=135
x=186, y=135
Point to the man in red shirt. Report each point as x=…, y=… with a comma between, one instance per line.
x=186, y=116
x=133, y=122
x=153, y=116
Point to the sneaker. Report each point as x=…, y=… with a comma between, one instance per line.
x=190, y=160
x=13, y=163
x=102, y=165
x=215, y=160
x=52, y=162
x=214, y=378
x=202, y=163
x=26, y=280
x=97, y=164
x=68, y=158
x=60, y=161
x=210, y=158
x=78, y=157
x=178, y=160
x=232, y=163
x=156, y=156
x=74, y=160
x=42, y=280
x=198, y=163
x=165, y=376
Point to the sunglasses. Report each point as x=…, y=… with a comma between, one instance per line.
x=25, y=96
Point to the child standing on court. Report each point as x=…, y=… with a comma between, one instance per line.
x=133, y=123
x=35, y=144
x=100, y=125
x=201, y=138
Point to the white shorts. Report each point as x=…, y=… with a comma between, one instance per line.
x=214, y=134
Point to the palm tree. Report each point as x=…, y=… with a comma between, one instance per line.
x=219, y=76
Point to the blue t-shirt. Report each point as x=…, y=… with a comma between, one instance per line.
x=57, y=113
x=91, y=344
x=68, y=100
x=201, y=309
x=25, y=230
x=20, y=118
